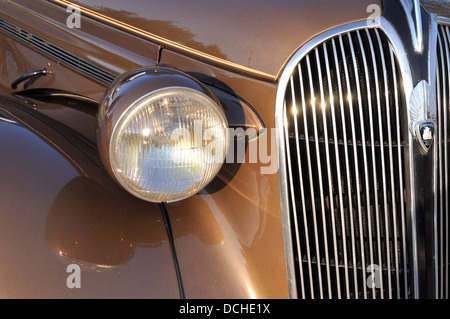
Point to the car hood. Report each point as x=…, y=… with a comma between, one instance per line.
x=259, y=35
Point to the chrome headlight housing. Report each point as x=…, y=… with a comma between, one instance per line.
x=162, y=135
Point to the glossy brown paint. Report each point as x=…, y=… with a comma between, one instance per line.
x=17, y=59
x=59, y=207
x=256, y=35
x=96, y=42
x=243, y=206
x=258, y=42
x=229, y=237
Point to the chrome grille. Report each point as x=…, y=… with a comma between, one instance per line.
x=442, y=200
x=344, y=115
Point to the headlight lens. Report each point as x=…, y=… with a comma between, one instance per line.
x=168, y=144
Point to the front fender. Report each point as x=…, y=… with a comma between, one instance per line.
x=59, y=207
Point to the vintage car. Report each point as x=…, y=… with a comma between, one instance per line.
x=224, y=149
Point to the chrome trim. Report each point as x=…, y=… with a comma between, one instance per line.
x=369, y=102
x=327, y=151
x=336, y=149
x=308, y=151
x=422, y=105
x=446, y=167
x=415, y=23
x=386, y=217
x=291, y=277
x=442, y=20
x=445, y=135
x=372, y=126
x=2, y=119
x=443, y=276
x=352, y=124
x=30, y=77
x=358, y=92
x=405, y=70
x=302, y=186
x=441, y=183
x=441, y=169
x=418, y=44
x=433, y=79
x=402, y=212
x=341, y=103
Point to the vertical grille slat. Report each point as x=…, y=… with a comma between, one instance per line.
x=358, y=228
x=350, y=182
x=387, y=164
x=368, y=102
x=357, y=72
x=375, y=104
x=313, y=191
x=341, y=186
x=322, y=108
x=440, y=102
x=296, y=227
x=344, y=146
x=402, y=212
x=305, y=220
x=330, y=184
x=446, y=141
x=443, y=104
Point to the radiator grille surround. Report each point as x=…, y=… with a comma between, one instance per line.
x=344, y=146
x=365, y=208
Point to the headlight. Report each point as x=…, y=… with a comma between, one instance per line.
x=161, y=134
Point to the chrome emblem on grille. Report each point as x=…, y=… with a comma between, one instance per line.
x=423, y=115
x=425, y=135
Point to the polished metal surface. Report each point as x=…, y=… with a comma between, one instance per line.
x=375, y=191
x=346, y=173
x=414, y=18
x=442, y=196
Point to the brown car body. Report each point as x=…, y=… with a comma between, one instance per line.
x=59, y=206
